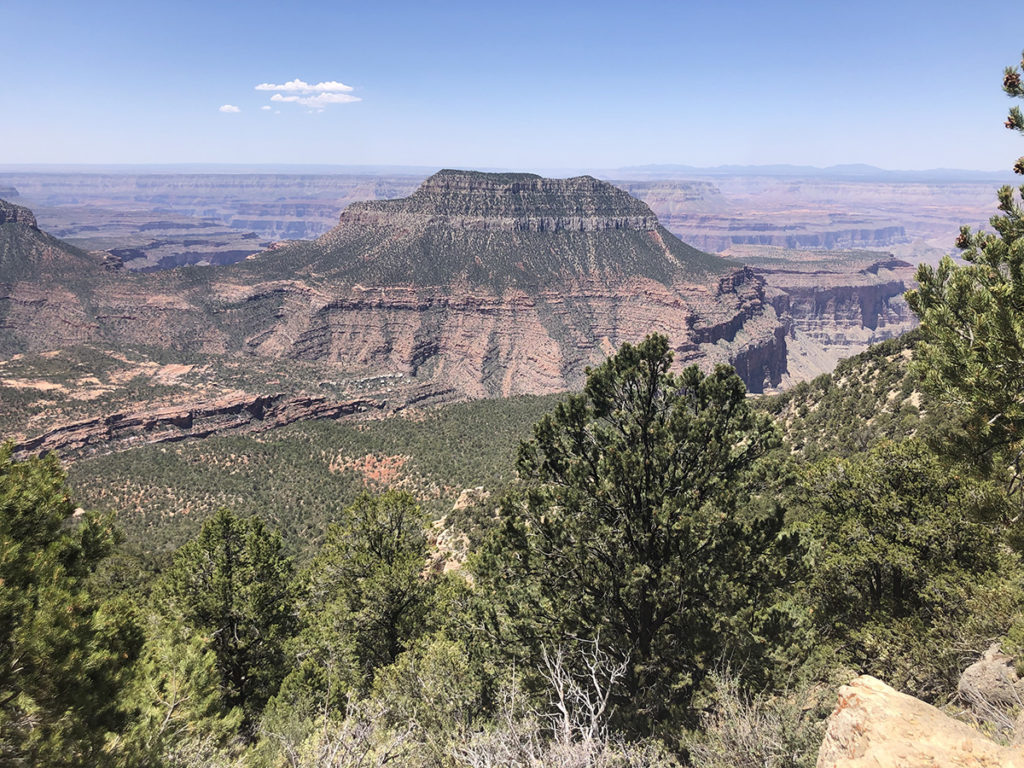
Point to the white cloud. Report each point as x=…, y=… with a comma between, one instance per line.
x=265, y=107
x=317, y=101
x=315, y=96
x=299, y=86
x=229, y=108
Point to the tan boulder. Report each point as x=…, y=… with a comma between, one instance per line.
x=876, y=726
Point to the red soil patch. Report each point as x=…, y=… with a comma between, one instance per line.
x=376, y=470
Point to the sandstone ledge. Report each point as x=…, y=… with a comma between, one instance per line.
x=875, y=726
x=231, y=414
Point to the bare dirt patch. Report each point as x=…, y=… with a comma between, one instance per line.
x=37, y=384
x=376, y=470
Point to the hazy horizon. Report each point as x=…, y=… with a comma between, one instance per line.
x=852, y=172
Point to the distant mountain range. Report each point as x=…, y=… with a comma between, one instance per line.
x=851, y=171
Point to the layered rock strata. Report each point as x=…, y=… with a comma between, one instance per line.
x=830, y=316
x=491, y=284
x=233, y=414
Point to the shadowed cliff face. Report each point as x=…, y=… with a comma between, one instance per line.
x=492, y=284
x=831, y=316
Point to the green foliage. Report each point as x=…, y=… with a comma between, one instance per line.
x=641, y=550
x=435, y=688
x=180, y=718
x=64, y=656
x=972, y=318
x=364, y=600
x=631, y=529
x=1015, y=121
x=902, y=576
x=370, y=569
x=290, y=477
x=358, y=739
x=232, y=582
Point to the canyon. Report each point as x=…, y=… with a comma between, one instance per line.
x=474, y=285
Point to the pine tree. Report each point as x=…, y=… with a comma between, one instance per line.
x=64, y=656
x=365, y=597
x=179, y=717
x=972, y=320
x=233, y=582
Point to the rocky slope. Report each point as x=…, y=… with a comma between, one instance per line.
x=29, y=254
x=494, y=284
x=16, y=214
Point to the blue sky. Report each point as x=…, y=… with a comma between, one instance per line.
x=522, y=85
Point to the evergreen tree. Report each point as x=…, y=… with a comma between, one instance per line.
x=903, y=573
x=632, y=533
x=972, y=319
x=64, y=656
x=364, y=600
x=365, y=596
x=179, y=717
x=233, y=582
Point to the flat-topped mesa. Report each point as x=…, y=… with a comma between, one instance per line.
x=510, y=202
x=16, y=214
x=500, y=231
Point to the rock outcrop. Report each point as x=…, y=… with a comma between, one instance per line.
x=992, y=681
x=234, y=414
x=875, y=726
x=16, y=214
x=830, y=315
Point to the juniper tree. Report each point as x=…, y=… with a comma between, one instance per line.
x=632, y=531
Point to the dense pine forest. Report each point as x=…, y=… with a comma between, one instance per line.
x=655, y=571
